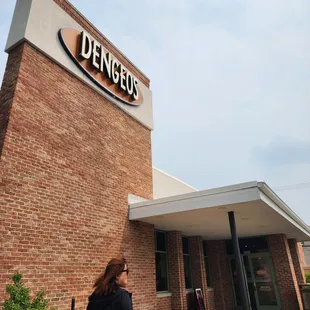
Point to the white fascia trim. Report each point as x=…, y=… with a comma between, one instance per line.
x=192, y=201
x=172, y=177
x=274, y=201
x=197, y=194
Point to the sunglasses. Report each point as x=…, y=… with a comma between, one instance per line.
x=126, y=270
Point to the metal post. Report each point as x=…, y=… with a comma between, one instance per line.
x=245, y=300
x=73, y=303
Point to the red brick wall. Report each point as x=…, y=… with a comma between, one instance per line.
x=68, y=162
x=8, y=90
x=198, y=266
x=285, y=273
x=220, y=277
x=211, y=303
x=176, y=271
x=294, y=250
x=67, y=7
x=163, y=303
x=179, y=300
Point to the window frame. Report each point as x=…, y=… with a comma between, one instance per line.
x=207, y=265
x=190, y=263
x=162, y=252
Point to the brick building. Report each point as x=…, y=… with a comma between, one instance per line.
x=78, y=186
x=304, y=248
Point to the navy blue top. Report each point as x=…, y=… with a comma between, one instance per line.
x=120, y=300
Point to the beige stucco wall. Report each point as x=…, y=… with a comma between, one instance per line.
x=165, y=185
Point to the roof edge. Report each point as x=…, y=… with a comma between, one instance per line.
x=208, y=192
x=279, y=202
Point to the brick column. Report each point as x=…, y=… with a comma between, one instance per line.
x=220, y=275
x=198, y=266
x=285, y=273
x=299, y=271
x=176, y=271
x=7, y=91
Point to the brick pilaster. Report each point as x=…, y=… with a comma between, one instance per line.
x=285, y=273
x=176, y=271
x=293, y=245
x=7, y=90
x=198, y=266
x=219, y=272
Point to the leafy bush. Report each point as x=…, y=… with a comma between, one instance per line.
x=308, y=277
x=20, y=297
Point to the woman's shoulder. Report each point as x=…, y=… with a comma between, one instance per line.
x=125, y=298
x=123, y=292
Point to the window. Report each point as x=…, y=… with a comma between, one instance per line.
x=306, y=248
x=161, y=261
x=205, y=254
x=187, y=263
x=251, y=245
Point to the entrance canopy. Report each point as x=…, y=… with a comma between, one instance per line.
x=258, y=211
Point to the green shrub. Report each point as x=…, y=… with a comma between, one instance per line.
x=20, y=297
x=308, y=277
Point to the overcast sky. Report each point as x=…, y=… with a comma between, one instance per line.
x=230, y=82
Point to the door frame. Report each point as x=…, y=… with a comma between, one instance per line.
x=273, y=276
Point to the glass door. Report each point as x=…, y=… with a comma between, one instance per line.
x=261, y=282
x=264, y=282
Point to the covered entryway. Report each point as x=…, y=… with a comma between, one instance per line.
x=259, y=272
x=233, y=213
x=258, y=212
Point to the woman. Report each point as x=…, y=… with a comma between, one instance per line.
x=109, y=289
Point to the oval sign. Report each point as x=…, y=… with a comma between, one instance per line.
x=101, y=66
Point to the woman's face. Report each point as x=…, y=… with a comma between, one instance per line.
x=122, y=280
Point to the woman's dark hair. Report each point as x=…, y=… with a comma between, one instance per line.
x=106, y=283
